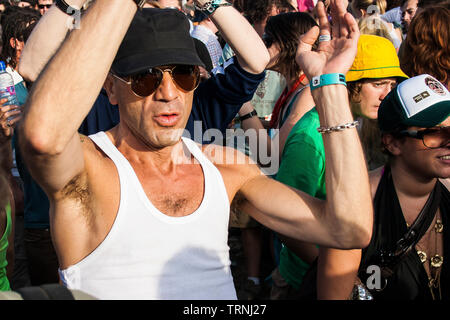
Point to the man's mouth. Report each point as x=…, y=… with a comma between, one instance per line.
x=167, y=119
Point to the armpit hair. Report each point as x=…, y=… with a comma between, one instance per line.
x=77, y=190
x=238, y=200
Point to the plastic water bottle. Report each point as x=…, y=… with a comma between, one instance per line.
x=7, y=89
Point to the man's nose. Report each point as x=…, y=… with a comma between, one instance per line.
x=167, y=90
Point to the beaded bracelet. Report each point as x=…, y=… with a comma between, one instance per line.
x=338, y=128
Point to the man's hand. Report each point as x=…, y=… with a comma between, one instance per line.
x=336, y=55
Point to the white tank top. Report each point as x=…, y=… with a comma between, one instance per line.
x=149, y=255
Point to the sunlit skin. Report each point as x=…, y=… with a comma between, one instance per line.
x=424, y=162
x=157, y=120
x=373, y=91
x=170, y=4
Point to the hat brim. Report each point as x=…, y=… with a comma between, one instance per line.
x=141, y=62
x=431, y=116
x=376, y=73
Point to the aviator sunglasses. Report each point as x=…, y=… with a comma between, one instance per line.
x=186, y=77
x=432, y=138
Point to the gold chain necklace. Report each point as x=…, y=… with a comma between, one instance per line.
x=435, y=263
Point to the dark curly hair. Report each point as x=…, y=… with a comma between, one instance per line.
x=426, y=47
x=17, y=23
x=285, y=30
x=256, y=10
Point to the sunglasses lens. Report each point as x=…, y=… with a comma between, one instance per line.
x=145, y=84
x=437, y=138
x=186, y=77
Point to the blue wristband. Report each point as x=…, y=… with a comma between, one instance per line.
x=327, y=79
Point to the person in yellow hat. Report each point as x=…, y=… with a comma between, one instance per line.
x=374, y=73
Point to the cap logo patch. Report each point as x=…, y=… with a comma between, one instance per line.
x=435, y=86
x=421, y=96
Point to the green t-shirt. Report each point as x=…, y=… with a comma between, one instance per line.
x=4, y=283
x=302, y=167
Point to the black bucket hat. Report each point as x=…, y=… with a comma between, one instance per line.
x=156, y=37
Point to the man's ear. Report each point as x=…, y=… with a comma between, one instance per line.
x=391, y=144
x=110, y=88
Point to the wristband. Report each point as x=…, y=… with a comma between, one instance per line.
x=248, y=115
x=211, y=6
x=327, y=79
x=65, y=7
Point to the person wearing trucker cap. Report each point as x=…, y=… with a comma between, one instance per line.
x=375, y=71
x=410, y=200
x=409, y=196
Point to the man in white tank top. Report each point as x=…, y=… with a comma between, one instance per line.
x=139, y=212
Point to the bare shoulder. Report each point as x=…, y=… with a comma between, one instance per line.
x=374, y=179
x=231, y=159
x=235, y=167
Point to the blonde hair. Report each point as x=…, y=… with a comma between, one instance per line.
x=374, y=25
x=366, y=4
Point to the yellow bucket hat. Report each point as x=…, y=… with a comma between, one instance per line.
x=376, y=58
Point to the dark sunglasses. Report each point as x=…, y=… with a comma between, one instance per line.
x=186, y=77
x=42, y=6
x=432, y=138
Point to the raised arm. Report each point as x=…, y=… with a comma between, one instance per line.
x=248, y=46
x=344, y=220
x=64, y=93
x=45, y=40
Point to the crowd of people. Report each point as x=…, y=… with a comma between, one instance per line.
x=149, y=133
